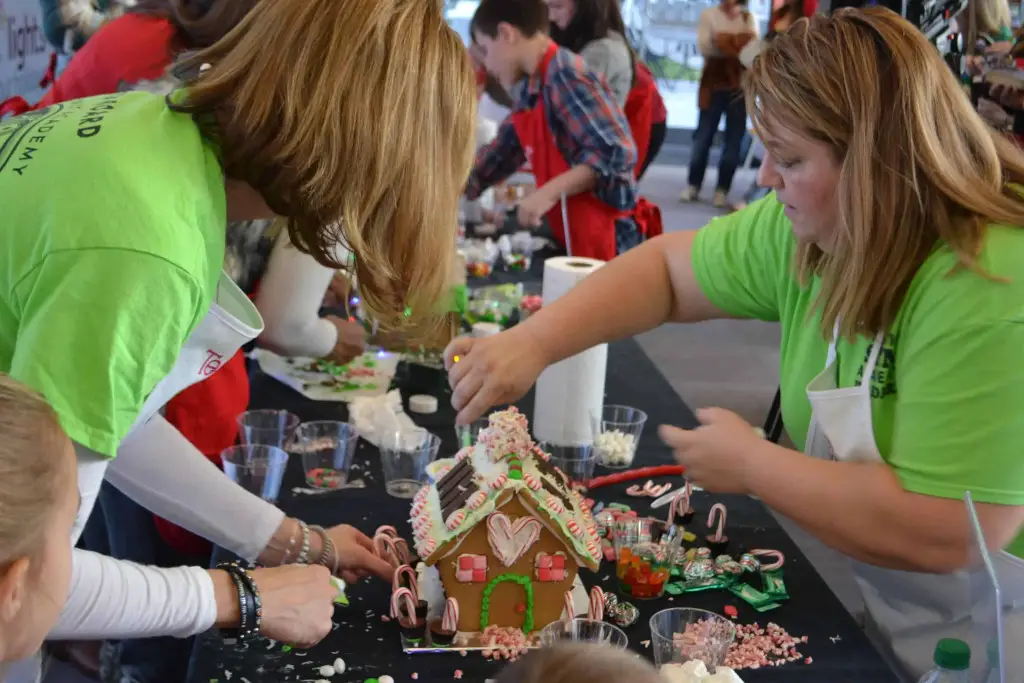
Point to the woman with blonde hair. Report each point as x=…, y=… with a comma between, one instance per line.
x=113, y=299
x=986, y=22
x=892, y=254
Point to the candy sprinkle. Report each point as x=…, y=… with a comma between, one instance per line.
x=458, y=674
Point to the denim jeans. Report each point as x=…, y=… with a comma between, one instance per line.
x=123, y=529
x=727, y=103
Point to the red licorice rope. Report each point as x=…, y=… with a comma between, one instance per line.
x=641, y=473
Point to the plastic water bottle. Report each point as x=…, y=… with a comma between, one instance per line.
x=952, y=663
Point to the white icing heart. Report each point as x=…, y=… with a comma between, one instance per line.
x=509, y=541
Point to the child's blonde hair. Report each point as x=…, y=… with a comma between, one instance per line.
x=31, y=473
x=580, y=663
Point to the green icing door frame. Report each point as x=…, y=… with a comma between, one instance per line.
x=485, y=599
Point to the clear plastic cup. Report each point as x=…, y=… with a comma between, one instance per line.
x=578, y=461
x=405, y=456
x=583, y=631
x=267, y=427
x=619, y=436
x=257, y=468
x=682, y=634
x=645, y=549
x=327, y=448
x=468, y=434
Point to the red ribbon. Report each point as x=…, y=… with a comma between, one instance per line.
x=15, y=106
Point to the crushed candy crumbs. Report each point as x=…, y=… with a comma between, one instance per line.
x=458, y=674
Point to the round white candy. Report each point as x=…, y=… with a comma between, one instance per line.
x=327, y=671
x=423, y=404
x=385, y=679
x=616, y=447
x=339, y=665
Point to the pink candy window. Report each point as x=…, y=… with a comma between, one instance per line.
x=471, y=568
x=550, y=567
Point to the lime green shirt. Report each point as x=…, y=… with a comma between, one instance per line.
x=111, y=242
x=947, y=393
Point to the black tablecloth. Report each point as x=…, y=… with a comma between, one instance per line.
x=839, y=650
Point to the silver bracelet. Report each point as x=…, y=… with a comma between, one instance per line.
x=329, y=553
x=303, y=557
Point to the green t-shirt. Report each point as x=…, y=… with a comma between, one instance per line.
x=111, y=243
x=948, y=389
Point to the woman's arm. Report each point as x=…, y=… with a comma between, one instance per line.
x=291, y=292
x=660, y=268
x=861, y=510
x=115, y=599
x=161, y=471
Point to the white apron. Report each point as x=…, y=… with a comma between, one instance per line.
x=231, y=322
x=910, y=611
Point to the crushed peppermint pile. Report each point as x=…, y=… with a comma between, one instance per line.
x=757, y=647
x=505, y=643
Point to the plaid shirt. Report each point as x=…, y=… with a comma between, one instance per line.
x=589, y=129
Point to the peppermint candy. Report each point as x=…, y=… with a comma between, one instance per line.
x=532, y=482
x=455, y=520
x=554, y=504
x=476, y=500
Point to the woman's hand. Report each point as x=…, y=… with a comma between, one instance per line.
x=356, y=558
x=492, y=370
x=338, y=291
x=298, y=602
x=714, y=454
x=351, y=340
x=531, y=209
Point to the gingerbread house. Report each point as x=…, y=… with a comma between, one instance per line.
x=506, y=530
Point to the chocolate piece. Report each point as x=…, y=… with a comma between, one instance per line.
x=718, y=547
x=438, y=637
x=421, y=610
x=462, y=470
x=413, y=632
x=456, y=500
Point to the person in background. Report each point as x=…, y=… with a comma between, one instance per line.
x=68, y=24
x=786, y=15
x=892, y=254
x=115, y=300
x=722, y=33
x=594, y=29
x=986, y=23
x=580, y=148
x=579, y=663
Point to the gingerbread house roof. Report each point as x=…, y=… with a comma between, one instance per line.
x=505, y=464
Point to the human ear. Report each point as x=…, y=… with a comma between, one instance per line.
x=13, y=578
x=508, y=33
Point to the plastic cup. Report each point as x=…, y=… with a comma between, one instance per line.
x=577, y=461
x=267, y=427
x=468, y=434
x=405, y=456
x=257, y=468
x=644, y=552
x=583, y=631
x=327, y=449
x=682, y=634
x=619, y=435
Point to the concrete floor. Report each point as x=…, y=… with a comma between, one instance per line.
x=727, y=363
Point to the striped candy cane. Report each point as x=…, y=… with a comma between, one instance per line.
x=780, y=559
x=405, y=571
x=596, y=604
x=450, y=620
x=403, y=596
x=719, y=509
x=570, y=609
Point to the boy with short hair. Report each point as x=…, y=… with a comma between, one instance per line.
x=567, y=125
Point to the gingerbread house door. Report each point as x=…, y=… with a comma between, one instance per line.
x=526, y=585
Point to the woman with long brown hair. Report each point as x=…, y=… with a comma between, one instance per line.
x=114, y=300
x=892, y=254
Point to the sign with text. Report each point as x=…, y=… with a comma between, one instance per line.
x=24, y=52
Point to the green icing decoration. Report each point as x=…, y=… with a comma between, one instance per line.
x=485, y=600
x=286, y=648
x=515, y=474
x=674, y=589
x=369, y=363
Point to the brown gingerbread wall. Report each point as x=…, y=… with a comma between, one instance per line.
x=548, y=596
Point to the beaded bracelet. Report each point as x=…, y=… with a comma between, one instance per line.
x=303, y=557
x=250, y=608
x=328, y=553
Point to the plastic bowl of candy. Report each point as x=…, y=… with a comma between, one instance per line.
x=491, y=305
x=583, y=631
x=682, y=635
x=619, y=436
x=645, y=549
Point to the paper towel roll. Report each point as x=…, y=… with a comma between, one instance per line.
x=570, y=394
